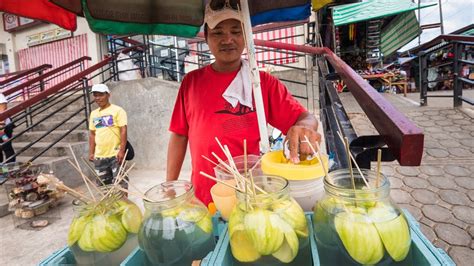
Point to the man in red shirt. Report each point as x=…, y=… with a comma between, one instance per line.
x=201, y=113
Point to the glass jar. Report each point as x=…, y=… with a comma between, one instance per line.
x=361, y=225
x=104, y=232
x=269, y=228
x=177, y=227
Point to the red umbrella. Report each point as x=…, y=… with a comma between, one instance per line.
x=40, y=10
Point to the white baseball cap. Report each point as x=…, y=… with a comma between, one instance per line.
x=214, y=17
x=100, y=88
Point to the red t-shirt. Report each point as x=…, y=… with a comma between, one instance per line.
x=201, y=114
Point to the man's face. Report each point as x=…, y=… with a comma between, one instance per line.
x=101, y=98
x=226, y=41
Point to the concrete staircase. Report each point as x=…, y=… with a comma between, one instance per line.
x=56, y=158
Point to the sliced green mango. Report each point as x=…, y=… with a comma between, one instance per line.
x=131, y=218
x=291, y=212
x=359, y=236
x=76, y=229
x=393, y=230
x=241, y=246
x=264, y=236
x=205, y=224
x=109, y=233
x=85, y=241
x=289, y=249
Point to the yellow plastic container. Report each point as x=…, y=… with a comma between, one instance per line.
x=224, y=198
x=275, y=163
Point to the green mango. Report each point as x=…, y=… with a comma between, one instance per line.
x=241, y=245
x=393, y=230
x=205, y=224
x=85, y=241
x=291, y=212
x=264, y=235
x=289, y=249
x=359, y=236
x=109, y=233
x=76, y=229
x=236, y=219
x=131, y=218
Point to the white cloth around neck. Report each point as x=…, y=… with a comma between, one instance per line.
x=240, y=89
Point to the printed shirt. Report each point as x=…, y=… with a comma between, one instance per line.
x=106, y=123
x=201, y=114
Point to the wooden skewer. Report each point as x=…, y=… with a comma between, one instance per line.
x=85, y=178
x=355, y=162
x=82, y=175
x=135, y=194
x=346, y=144
x=92, y=170
x=216, y=164
x=320, y=157
x=74, y=193
x=134, y=187
x=220, y=181
x=379, y=159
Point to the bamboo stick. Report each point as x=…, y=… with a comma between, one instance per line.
x=85, y=178
x=326, y=174
x=220, y=181
x=355, y=162
x=92, y=170
x=379, y=159
x=82, y=175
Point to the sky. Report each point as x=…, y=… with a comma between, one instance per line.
x=456, y=14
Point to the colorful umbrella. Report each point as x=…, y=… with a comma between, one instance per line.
x=40, y=10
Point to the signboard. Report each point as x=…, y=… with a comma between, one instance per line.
x=48, y=36
x=13, y=23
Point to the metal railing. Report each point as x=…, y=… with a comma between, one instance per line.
x=459, y=46
x=46, y=104
x=16, y=78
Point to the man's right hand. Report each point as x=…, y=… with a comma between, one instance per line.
x=91, y=157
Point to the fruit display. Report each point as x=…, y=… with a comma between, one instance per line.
x=360, y=226
x=177, y=228
x=104, y=231
x=269, y=227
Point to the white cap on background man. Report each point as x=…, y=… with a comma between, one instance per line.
x=100, y=88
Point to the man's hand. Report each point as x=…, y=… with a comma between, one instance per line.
x=91, y=157
x=120, y=156
x=298, y=144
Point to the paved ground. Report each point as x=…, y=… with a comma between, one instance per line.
x=439, y=193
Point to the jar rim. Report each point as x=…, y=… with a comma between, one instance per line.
x=282, y=190
x=165, y=187
x=382, y=190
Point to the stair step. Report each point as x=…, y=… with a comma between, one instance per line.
x=47, y=125
x=59, y=116
x=59, y=149
x=74, y=136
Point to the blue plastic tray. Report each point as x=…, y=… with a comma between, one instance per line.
x=65, y=257
x=424, y=253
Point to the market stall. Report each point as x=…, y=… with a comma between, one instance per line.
x=365, y=34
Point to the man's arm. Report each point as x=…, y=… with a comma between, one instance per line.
x=123, y=144
x=91, y=145
x=306, y=125
x=176, y=152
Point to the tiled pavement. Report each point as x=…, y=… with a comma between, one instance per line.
x=440, y=192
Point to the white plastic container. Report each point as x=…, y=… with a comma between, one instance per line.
x=307, y=192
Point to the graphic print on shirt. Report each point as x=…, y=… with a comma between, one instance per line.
x=238, y=110
x=103, y=121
